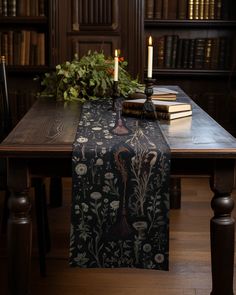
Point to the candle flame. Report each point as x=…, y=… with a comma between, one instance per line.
x=150, y=41
x=116, y=53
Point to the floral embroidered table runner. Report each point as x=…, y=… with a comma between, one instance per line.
x=120, y=199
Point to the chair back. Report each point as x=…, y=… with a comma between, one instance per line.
x=5, y=115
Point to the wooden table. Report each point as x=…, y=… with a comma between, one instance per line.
x=41, y=145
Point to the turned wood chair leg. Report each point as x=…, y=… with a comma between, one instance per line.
x=175, y=193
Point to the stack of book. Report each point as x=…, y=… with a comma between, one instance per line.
x=165, y=110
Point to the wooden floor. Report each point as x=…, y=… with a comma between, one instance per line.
x=189, y=256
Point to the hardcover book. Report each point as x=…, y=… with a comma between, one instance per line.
x=162, y=106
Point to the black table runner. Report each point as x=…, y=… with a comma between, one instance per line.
x=120, y=200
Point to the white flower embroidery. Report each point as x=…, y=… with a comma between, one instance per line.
x=84, y=207
x=159, y=258
x=147, y=248
x=95, y=195
x=115, y=205
x=82, y=139
x=81, y=169
x=109, y=175
x=106, y=189
x=99, y=162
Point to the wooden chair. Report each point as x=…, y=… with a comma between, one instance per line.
x=37, y=183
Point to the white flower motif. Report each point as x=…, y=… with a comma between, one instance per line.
x=109, y=175
x=81, y=169
x=99, y=142
x=84, y=207
x=95, y=195
x=82, y=139
x=99, y=162
x=106, y=189
x=108, y=136
x=147, y=248
x=159, y=258
x=104, y=150
x=97, y=128
x=115, y=205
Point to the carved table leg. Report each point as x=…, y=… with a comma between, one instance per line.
x=19, y=230
x=222, y=229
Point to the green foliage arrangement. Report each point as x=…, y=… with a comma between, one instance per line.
x=89, y=78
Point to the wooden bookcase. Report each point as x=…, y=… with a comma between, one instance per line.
x=196, y=54
x=25, y=39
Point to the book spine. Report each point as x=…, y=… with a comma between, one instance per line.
x=11, y=8
x=191, y=53
x=172, y=10
x=201, y=9
x=41, y=7
x=218, y=9
x=225, y=9
x=212, y=9
x=165, y=9
x=206, y=9
x=160, y=52
x=182, y=9
x=179, y=61
x=186, y=53
x=196, y=13
x=174, y=51
x=215, y=53
x=158, y=9
x=10, y=47
x=168, y=50
x=1, y=12
x=199, y=53
x=21, y=8
x=4, y=8
x=190, y=9
x=149, y=9
x=208, y=54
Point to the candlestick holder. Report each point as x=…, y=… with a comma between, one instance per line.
x=120, y=127
x=148, y=106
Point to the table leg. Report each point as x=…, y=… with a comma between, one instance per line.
x=19, y=230
x=222, y=228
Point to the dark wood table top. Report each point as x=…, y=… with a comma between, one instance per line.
x=48, y=130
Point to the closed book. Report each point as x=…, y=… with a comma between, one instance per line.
x=196, y=10
x=185, y=60
x=218, y=9
x=179, y=58
x=223, y=61
x=11, y=7
x=149, y=9
x=172, y=10
x=206, y=9
x=172, y=116
x=4, y=8
x=168, y=51
x=158, y=9
x=201, y=9
x=41, y=7
x=199, y=53
x=225, y=10
x=191, y=53
x=208, y=53
x=163, y=106
x=190, y=9
x=165, y=8
x=182, y=9
x=160, y=52
x=174, y=50
x=10, y=47
x=212, y=9
x=159, y=93
x=215, y=53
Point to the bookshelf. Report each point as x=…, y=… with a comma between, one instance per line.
x=194, y=47
x=25, y=41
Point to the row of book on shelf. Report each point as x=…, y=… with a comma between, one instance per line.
x=164, y=101
x=22, y=7
x=189, y=9
x=196, y=53
x=23, y=48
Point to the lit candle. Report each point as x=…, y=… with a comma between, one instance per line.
x=116, y=59
x=150, y=57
